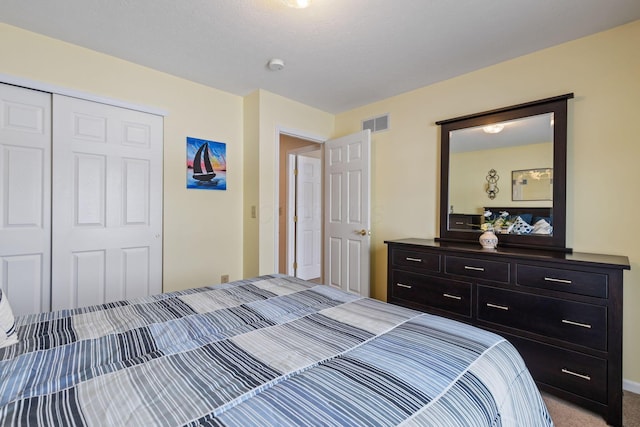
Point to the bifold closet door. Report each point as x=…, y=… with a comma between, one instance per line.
x=107, y=203
x=25, y=203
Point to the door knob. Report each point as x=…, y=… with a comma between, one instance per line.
x=363, y=232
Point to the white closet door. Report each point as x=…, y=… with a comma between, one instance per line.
x=25, y=203
x=107, y=203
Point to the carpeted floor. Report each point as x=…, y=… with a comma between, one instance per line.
x=565, y=414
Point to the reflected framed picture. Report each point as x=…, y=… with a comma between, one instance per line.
x=532, y=184
x=206, y=164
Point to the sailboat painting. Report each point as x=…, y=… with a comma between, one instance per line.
x=206, y=164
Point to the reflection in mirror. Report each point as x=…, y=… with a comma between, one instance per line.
x=524, y=143
x=532, y=184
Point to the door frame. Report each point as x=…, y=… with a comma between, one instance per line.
x=292, y=195
x=296, y=133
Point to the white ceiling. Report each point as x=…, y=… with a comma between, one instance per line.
x=339, y=54
x=527, y=130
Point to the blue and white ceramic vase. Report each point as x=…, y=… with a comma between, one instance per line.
x=488, y=240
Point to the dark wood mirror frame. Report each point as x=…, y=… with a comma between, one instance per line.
x=556, y=105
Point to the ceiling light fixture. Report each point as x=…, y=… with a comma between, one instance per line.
x=497, y=128
x=297, y=4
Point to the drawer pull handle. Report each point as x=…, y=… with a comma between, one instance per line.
x=451, y=296
x=575, y=374
x=501, y=307
x=551, y=279
x=468, y=267
x=414, y=259
x=402, y=285
x=459, y=223
x=582, y=325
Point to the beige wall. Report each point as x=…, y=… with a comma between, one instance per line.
x=191, y=257
x=603, y=71
x=251, y=224
x=278, y=114
x=468, y=171
x=236, y=244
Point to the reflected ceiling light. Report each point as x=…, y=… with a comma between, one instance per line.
x=493, y=128
x=298, y=4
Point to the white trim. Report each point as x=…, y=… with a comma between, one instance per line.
x=291, y=165
x=276, y=200
x=296, y=133
x=46, y=87
x=632, y=386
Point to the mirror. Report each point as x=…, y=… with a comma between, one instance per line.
x=507, y=160
x=532, y=184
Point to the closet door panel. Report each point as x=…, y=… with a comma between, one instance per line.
x=136, y=279
x=23, y=282
x=23, y=190
x=107, y=182
x=88, y=278
x=135, y=189
x=89, y=196
x=25, y=198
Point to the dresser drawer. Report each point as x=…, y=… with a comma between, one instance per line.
x=477, y=268
x=432, y=292
x=575, y=282
x=415, y=259
x=568, y=370
x=464, y=222
x=574, y=322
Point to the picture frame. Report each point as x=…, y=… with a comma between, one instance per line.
x=206, y=164
x=532, y=184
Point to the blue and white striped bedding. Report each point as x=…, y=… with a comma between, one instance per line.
x=272, y=350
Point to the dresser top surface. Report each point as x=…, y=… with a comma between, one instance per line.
x=615, y=261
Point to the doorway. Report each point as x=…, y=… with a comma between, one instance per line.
x=290, y=250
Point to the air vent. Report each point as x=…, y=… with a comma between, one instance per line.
x=376, y=124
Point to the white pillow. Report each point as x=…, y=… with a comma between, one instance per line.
x=520, y=226
x=8, y=334
x=542, y=227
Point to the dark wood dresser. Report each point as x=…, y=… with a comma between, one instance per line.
x=562, y=311
x=464, y=221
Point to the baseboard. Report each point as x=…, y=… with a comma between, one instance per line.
x=631, y=386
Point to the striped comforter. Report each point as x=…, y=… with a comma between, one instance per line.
x=272, y=350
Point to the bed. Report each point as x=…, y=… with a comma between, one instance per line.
x=271, y=350
x=524, y=219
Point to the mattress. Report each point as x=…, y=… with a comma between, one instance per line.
x=271, y=350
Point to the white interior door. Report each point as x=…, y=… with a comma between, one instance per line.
x=25, y=203
x=309, y=217
x=347, y=212
x=107, y=204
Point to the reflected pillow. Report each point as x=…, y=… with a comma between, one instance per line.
x=526, y=217
x=548, y=219
x=542, y=227
x=8, y=334
x=520, y=226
